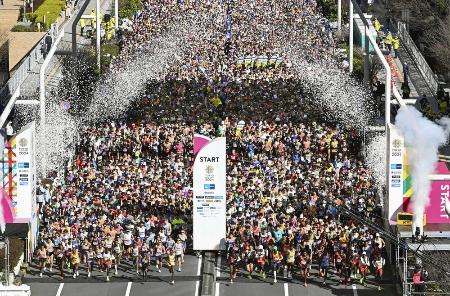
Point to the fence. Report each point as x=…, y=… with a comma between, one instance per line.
x=410, y=46
x=24, y=67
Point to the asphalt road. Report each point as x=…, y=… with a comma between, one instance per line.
x=188, y=281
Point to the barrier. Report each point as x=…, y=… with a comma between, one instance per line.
x=425, y=70
x=20, y=71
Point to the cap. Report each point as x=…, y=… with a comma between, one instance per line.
x=260, y=247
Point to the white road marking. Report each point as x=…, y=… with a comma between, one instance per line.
x=286, y=289
x=127, y=292
x=199, y=267
x=219, y=264
x=217, y=289
x=197, y=287
x=60, y=289
x=355, y=291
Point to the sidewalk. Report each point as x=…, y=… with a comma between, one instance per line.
x=30, y=87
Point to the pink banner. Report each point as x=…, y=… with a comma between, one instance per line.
x=440, y=190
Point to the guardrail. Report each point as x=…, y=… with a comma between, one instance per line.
x=24, y=67
x=410, y=46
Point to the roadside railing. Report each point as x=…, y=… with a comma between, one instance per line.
x=410, y=46
x=22, y=69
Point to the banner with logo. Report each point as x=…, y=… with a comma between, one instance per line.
x=209, y=188
x=18, y=173
x=401, y=195
x=395, y=176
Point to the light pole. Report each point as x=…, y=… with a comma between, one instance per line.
x=116, y=14
x=350, y=68
x=339, y=20
x=97, y=17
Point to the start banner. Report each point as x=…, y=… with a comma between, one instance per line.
x=209, y=188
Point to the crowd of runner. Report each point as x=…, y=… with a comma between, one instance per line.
x=125, y=202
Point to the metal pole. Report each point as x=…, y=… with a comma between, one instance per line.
x=339, y=12
x=42, y=77
x=9, y=107
x=366, y=57
x=74, y=26
x=97, y=29
x=116, y=14
x=350, y=68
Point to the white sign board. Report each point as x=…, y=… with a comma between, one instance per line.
x=396, y=158
x=209, y=188
x=25, y=203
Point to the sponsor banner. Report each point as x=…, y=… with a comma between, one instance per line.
x=395, y=176
x=401, y=195
x=18, y=173
x=209, y=188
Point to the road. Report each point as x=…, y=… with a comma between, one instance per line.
x=188, y=281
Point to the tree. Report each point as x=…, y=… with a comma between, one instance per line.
x=429, y=26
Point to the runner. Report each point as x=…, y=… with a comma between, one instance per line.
x=249, y=258
x=50, y=253
x=324, y=265
x=171, y=263
x=90, y=255
x=75, y=262
x=290, y=261
x=304, y=265
x=232, y=264
x=60, y=261
x=261, y=261
x=277, y=259
x=117, y=255
x=364, y=264
x=145, y=263
x=107, y=261
x=159, y=250
x=378, y=263
x=41, y=254
x=136, y=253
x=179, y=251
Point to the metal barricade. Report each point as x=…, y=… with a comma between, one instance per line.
x=422, y=64
x=27, y=64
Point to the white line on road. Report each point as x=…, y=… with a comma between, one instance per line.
x=217, y=289
x=219, y=264
x=286, y=289
x=60, y=289
x=127, y=292
x=355, y=292
x=199, y=267
x=197, y=287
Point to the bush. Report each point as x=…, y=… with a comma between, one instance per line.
x=22, y=28
x=329, y=9
x=16, y=248
x=51, y=9
x=108, y=52
x=128, y=7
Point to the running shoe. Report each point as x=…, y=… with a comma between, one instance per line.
x=172, y=282
x=179, y=270
x=40, y=275
x=107, y=278
x=89, y=274
x=74, y=275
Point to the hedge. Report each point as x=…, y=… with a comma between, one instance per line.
x=108, y=52
x=51, y=9
x=22, y=28
x=128, y=7
x=16, y=249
